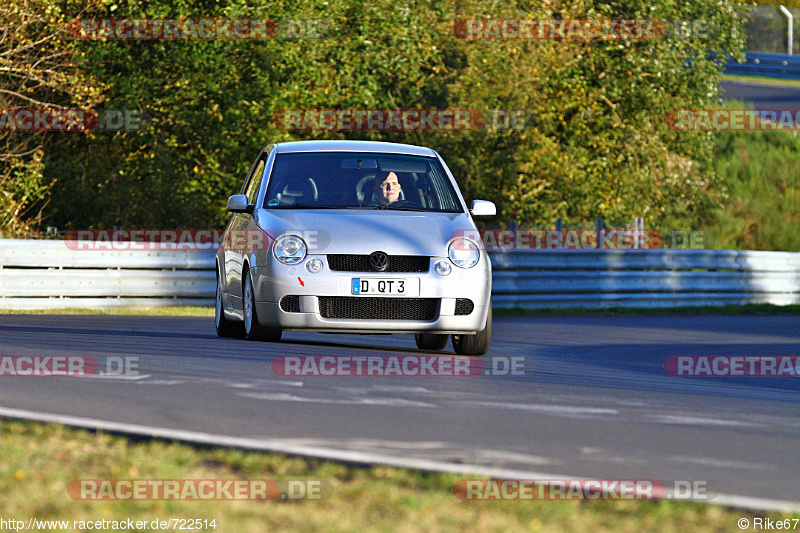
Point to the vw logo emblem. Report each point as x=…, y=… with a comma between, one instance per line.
x=378, y=261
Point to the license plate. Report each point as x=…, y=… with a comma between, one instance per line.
x=395, y=286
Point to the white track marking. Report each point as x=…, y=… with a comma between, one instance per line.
x=281, y=446
x=282, y=397
x=697, y=421
x=545, y=408
x=720, y=463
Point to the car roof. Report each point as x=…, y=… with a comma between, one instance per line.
x=353, y=146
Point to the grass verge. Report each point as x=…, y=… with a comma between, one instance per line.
x=762, y=208
x=760, y=79
x=40, y=460
x=151, y=311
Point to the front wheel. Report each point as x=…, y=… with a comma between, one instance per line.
x=225, y=327
x=477, y=344
x=431, y=341
x=253, y=329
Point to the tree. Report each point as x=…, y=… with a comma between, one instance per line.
x=39, y=70
x=599, y=147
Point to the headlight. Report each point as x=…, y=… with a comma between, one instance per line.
x=464, y=253
x=442, y=267
x=313, y=265
x=289, y=249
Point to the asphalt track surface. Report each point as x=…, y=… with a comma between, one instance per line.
x=594, y=400
x=762, y=95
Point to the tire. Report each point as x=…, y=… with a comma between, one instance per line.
x=225, y=327
x=252, y=328
x=431, y=341
x=477, y=344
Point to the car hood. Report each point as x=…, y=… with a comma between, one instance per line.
x=339, y=231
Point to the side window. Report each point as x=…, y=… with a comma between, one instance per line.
x=254, y=181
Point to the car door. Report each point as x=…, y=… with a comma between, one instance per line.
x=239, y=225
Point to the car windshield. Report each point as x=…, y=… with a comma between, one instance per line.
x=353, y=180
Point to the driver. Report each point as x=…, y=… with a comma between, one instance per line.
x=387, y=188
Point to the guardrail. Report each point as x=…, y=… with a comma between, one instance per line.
x=42, y=274
x=771, y=65
x=644, y=278
x=49, y=274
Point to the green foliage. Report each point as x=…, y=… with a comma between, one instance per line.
x=37, y=71
x=600, y=146
x=21, y=186
x=762, y=208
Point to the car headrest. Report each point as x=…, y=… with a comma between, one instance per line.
x=298, y=191
x=365, y=188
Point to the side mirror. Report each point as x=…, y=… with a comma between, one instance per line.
x=483, y=208
x=238, y=204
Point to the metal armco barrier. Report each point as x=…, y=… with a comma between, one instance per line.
x=49, y=274
x=770, y=65
x=643, y=278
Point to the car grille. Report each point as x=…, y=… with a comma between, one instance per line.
x=464, y=306
x=290, y=304
x=360, y=263
x=370, y=308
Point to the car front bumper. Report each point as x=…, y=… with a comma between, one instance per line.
x=276, y=280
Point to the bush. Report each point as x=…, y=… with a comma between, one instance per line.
x=600, y=146
x=762, y=207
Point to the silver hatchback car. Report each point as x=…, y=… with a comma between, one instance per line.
x=354, y=237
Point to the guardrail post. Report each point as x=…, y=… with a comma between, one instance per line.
x=790, y=30
x=638, y=233
x=560, y=231
x=599, y=233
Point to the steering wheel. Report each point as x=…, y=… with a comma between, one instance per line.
x=404, y=203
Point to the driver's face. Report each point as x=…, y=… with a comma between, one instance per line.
x=388, y=191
